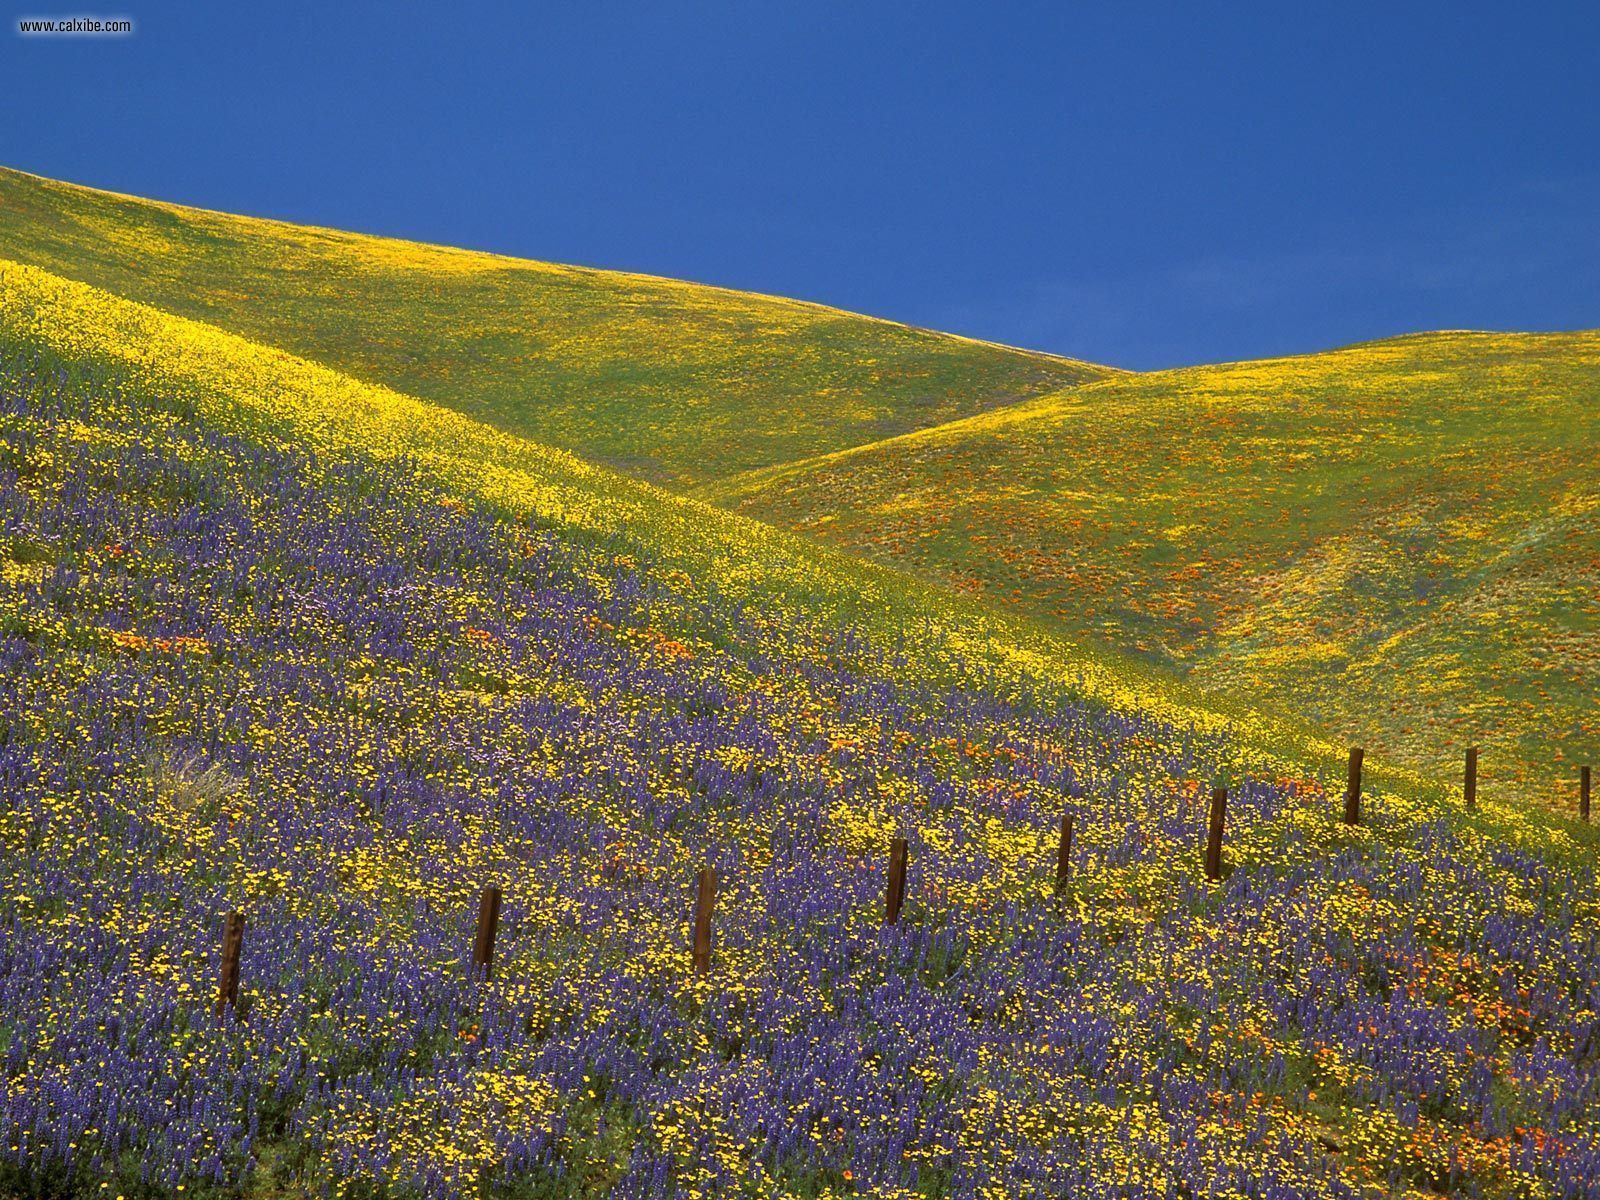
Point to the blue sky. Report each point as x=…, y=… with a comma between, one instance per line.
x=1138, y=184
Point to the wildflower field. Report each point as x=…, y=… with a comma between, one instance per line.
x=281, y=642
x=1399, y=541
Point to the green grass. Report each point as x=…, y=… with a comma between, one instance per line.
x=668, y=381
x=1398, y=541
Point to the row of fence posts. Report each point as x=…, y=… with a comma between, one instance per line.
x=895, y=893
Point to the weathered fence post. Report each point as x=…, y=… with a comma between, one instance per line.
x=1352, y=788
x=488, y=923
x=1583, y=793
x=232, y=947
x=1219, y=808
x=1471, y=787
x=1064, y=852
x=705, y=897
x=896, y=895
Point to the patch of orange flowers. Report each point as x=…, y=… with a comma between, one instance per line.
x=136, y=642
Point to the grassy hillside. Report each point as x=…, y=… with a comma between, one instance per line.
x=666, y=380
x=1398, y=541
x=276, y=640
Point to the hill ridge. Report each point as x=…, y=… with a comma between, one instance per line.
x=447, y=248
x=1037, y=407
x=668, y=379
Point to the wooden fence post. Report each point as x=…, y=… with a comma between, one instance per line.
x=705, y=897
x=232, y=947
x=1219, y=808
x=1471, y=788
x=1352, y=788
x=1064, y=852
x=1583, y=793
x=488, y=923
x=896, y=895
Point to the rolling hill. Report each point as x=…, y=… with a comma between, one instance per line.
x=331, y=592
x=1398, y=541
x=669, y=381
x=282, y=642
